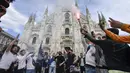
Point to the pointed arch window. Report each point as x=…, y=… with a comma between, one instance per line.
x=67, y=31
x=47, y=40
x=67, y=17
x=49, y=28
x=34, y=40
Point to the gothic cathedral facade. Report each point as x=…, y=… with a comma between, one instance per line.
x=57, y=31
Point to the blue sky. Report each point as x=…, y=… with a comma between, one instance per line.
x=18, y=13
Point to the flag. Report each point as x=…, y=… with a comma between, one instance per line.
x=40, y=52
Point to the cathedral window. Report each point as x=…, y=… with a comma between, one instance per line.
x=49, y=29
x=34, y=40
x=67, y=31
x=67, y=17
x=47, y=40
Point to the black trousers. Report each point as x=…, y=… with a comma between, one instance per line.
x=21, y=70
x=38, y=69
x=47, y=70
x=82, y=69
x=2, y=71
x=68, y=70
x=60, y=70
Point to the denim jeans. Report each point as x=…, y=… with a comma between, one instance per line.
x=90, y=70
x=30, y=71
x=52, y=69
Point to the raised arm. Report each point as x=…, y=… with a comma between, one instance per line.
x=89, y=37
x=27, y=55
x=11, y=44
x=125, y=27
x=117, y=38
x=118, y=24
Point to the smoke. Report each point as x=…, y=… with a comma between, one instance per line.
x=76, y=11
x=68, y=4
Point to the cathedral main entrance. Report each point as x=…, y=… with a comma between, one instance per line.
x=67, y=48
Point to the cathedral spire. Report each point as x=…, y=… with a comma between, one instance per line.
x=46, y=11
x=76, y=3
x=33, y=18
x=45, y=14
x=87, y=15
x=87, y=11
x=29, y=22
x=30, y=18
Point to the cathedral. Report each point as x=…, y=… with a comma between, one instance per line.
x=57, y=30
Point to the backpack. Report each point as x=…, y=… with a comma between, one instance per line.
x=88, y=49
x=99, y=56
x=99, y=59
x=33, y=62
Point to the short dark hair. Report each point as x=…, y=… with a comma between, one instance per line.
x=60, y=53
x=114, y=30
x=103, y=36
x=12, y=0
x=22, y=50
x=71, y=50
x=67, y=48
x=15, y=46
x=92, y=33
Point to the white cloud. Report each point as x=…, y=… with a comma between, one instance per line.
x=13, y=20
x=5, y=29
x=117, y=9
x=65, y=3
x=17, y=30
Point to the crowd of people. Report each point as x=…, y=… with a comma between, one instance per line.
x=110, y=52
x=16, y=60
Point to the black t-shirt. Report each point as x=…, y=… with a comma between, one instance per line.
x=70, y=59
x=60, y=59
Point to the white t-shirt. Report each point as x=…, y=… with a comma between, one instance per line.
x=30, y=63
x=22, y=61
x=7, y=59
x=82, y=62
x=90, y=57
